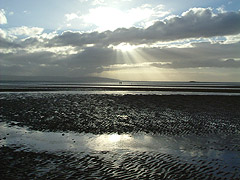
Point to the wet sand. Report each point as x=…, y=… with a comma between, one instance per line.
x=97, y=114
x=109, y=165
x=206, y=130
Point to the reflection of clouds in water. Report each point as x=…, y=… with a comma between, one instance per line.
x=117, y=153
x=55, y=141
x=33, y=140
x=185, y=147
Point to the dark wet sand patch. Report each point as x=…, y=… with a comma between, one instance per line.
x=108, y=165
x=97, y=114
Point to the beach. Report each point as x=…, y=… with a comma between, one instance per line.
x=125, y=90
x=119, y=136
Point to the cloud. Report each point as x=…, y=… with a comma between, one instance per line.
x=3, y=34
x=6, y=41
x=232, y=39
x=71, y=16
x=10, y=38
x=128, y=66
x=229, y=63
x=77, y=39
x=202, y=55
x=3, y=19
x=221, y=9
x=194, y=23
x=96, y=59
x=73, y=53
x=29, y=64
x=26, y=31
x=49, y=63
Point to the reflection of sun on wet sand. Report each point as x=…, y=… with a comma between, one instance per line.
x=119, y=136
x=153, y=155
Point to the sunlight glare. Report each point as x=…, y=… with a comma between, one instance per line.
x=116, y=137
x=111, y=18
x=107, y=18
x=124, y=47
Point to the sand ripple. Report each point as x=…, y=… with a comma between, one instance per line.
x=97, y=114
x=110, y=165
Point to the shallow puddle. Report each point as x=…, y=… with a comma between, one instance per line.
x=118, y=155
x=221, y=147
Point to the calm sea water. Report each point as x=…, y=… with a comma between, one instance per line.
x=127, y=87
x=123, y=83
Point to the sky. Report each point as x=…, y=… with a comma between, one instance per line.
x=134, y=40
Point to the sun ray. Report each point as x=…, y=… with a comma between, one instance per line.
x=133, y=63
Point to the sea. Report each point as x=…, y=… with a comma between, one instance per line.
x=124, y=87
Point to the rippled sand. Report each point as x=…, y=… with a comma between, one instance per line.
x=119, y=136
x=110, y=165
x=97, y=114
